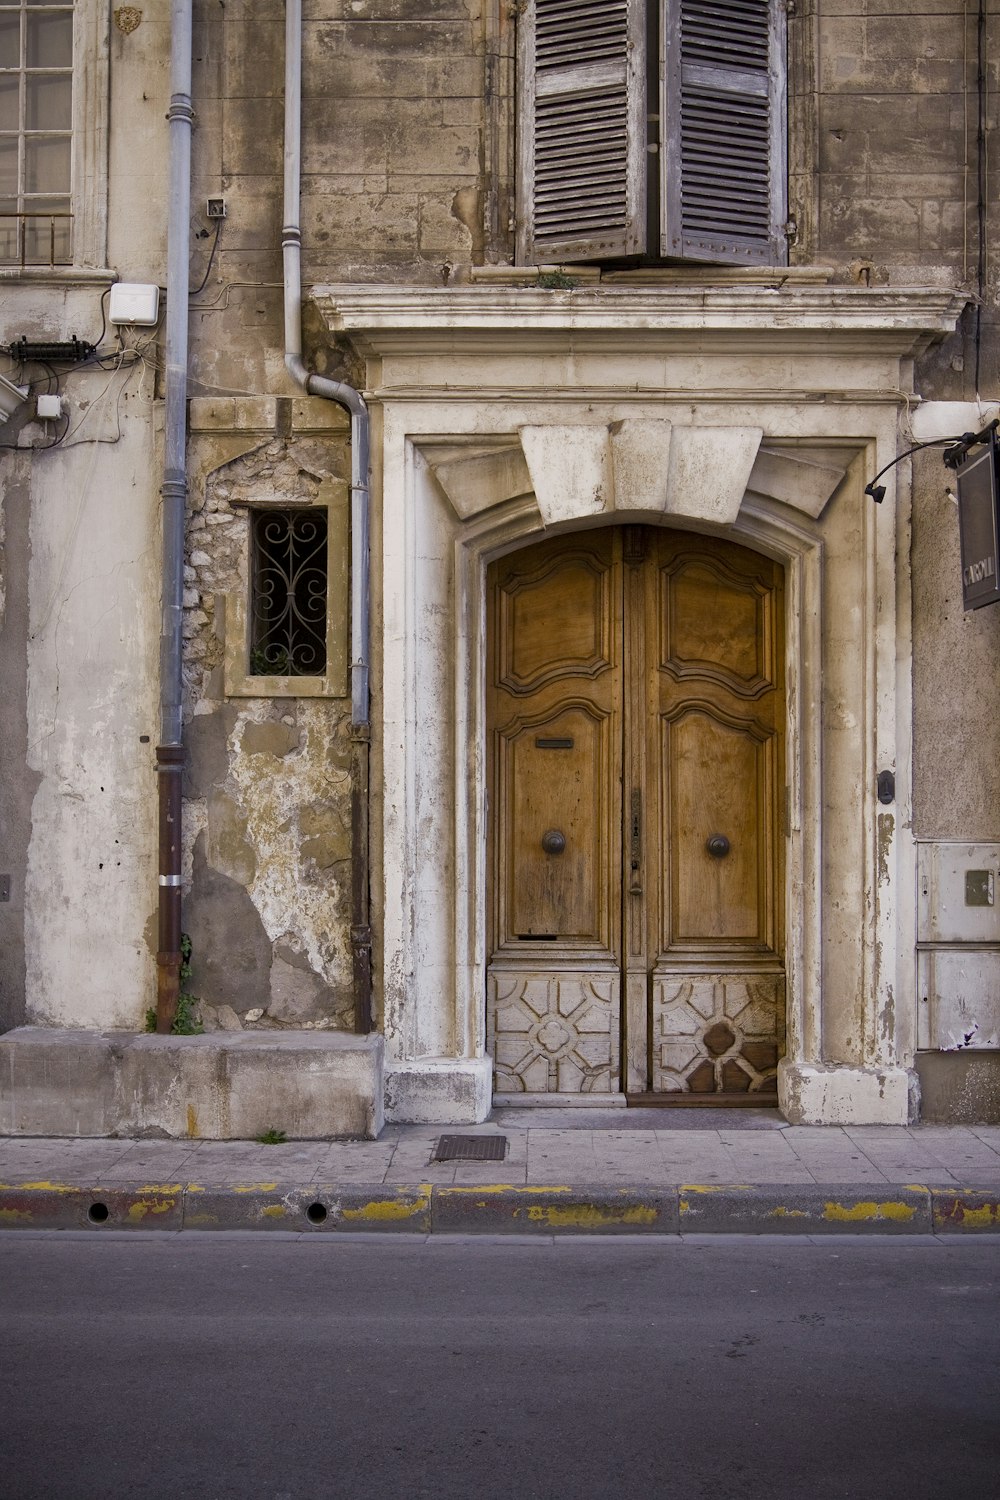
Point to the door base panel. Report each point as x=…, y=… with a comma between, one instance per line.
x=554, y=1033
x=573, y=1102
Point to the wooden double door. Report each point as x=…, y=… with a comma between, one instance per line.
x=635, y=731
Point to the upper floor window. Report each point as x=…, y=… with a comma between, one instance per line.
x=611, y=88
x=36, y=132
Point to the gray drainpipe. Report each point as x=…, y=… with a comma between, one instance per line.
x=347, y=397
x=170, y=750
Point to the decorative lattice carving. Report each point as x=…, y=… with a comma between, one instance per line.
x=554, y=1033
x=717, y=1033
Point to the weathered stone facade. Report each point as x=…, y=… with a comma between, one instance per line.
x=881, y=332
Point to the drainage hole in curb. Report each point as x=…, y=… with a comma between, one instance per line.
x=316, y=1213
x=98, y=1213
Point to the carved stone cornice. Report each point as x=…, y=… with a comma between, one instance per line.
x=791, y=318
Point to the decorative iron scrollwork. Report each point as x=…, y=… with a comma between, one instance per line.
x=288, y=593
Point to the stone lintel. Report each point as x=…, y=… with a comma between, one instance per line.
x=641, y=465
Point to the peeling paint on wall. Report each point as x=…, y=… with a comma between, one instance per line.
x=268, y=810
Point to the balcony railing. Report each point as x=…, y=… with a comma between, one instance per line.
x=36, y=237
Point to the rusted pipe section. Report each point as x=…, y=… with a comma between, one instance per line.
x=170, y=751
x=347, y=397
x=170, y=766
x=361, y=932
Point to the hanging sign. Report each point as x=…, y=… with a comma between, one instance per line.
x=978, y=527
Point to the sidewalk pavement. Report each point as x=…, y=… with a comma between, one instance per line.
x=563, y=1171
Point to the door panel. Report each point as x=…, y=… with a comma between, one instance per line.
x=724, y=897
x=636, y=725
x=555, y=687
x=554, y=775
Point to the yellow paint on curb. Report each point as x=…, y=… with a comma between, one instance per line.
x=40, y=1187
x=254, y=1187
x=386, y=1210
x=501, y=1187
x=720, y=1187
x=144, y=1206
x=972, y=1218
x=867, y=1212
x=274, y=1211
x=788, y=1213
x=12, y=1215
x=589, y=1215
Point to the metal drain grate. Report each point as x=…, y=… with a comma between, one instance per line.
x=471, y=1148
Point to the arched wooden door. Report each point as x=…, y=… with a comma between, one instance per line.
x=635, y=732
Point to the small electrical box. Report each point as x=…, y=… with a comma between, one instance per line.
x=134, y=302
x=49, y=408
x=215, y=208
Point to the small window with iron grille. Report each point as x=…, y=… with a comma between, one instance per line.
x=288, y=592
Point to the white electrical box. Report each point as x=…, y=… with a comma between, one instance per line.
x=49, y=408
x=134, y=302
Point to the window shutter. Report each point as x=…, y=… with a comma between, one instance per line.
x=723, y=163
x=582, y=129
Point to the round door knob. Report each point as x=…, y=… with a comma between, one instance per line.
x=718, y=846
x=553, y=842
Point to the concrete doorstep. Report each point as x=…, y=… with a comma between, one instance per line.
x=427, y=1208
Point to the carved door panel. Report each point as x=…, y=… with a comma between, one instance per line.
x=707, y=624
x=555, y=675
x=635, y=713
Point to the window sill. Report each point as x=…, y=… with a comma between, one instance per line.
x=237, y=682
x=58, y=275
x=701, y=274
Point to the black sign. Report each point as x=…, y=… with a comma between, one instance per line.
x=977, y=521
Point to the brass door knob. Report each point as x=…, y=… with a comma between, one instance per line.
x=553, y=841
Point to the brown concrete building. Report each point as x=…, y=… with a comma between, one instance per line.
x=445, y=430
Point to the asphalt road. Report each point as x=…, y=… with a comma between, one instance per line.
x=230, y=1365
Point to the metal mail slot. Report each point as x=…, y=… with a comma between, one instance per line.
x=543, y=744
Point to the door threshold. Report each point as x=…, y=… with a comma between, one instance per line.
x=702, y=1101
x=559, y=1101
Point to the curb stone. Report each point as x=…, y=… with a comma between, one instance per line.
x=502, y=1208
x=837, y=1208
x=966, y=1210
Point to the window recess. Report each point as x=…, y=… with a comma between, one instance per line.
x=286, y=633
x=288, y=593
x=652, y=129
x=36, y=133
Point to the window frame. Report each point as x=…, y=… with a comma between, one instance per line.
x=89, y=162
x=234, y=610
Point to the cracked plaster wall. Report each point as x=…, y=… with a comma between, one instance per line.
x=91, y=556
x=268, y=795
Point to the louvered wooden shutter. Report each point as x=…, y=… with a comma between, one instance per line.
x=582, y=146
x=723, y=156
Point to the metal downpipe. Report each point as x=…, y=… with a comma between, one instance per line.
x=170, y=751
x=351, y=399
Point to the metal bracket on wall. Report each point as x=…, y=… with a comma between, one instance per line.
x=886, y=787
